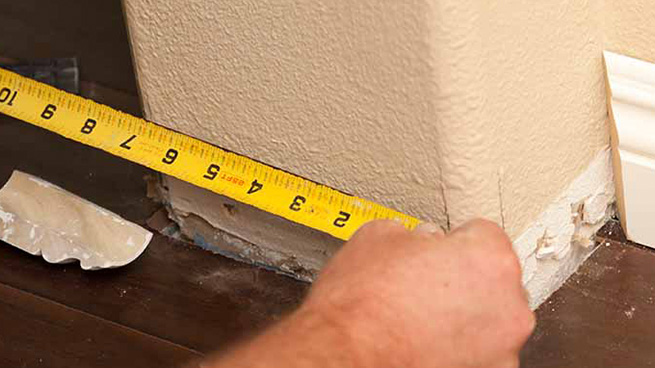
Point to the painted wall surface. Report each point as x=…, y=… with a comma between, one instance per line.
x=443, y=109
x=629, y=28
x=521, y=95
x=338, y=91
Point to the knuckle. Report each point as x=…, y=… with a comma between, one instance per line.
x=523, y=326
x=482, y=223
x=497, y=237
x=510, y=265
x=486, y=226
x=486, y=232
x=505, y=267
x=529, y=323
x=516, y=332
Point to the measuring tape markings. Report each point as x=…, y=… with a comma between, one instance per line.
x=189, y=159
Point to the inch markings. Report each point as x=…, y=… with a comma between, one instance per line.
x=189, y=159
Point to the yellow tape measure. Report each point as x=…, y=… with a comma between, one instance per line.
x=189, y=159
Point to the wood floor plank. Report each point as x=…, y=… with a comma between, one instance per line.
x=35, y=332
x=604, y=316
x=175, y=291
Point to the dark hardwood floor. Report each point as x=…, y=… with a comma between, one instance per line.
x=38, y=332
x=604, y=315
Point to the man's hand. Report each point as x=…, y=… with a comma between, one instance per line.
x=394, y=298
x=420, y=299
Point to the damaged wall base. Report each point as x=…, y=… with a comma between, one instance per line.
x=555, y=245
x=550, y=250
x=237, y=230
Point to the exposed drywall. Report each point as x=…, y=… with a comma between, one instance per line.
x=222, y=225
x=550, y=250
x=562, y=237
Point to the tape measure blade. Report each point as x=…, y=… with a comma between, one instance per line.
x=188, y=158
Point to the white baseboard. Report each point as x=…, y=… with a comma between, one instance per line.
x=631, y=95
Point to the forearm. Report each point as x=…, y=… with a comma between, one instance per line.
x=308, y=338
x=391, y=298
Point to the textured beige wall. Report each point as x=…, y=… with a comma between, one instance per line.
x=484, y=108
x=630, y=28
x=522, y=99
x=338, y=91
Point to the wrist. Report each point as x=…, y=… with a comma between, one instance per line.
x=313, y=336
x=370, y=333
